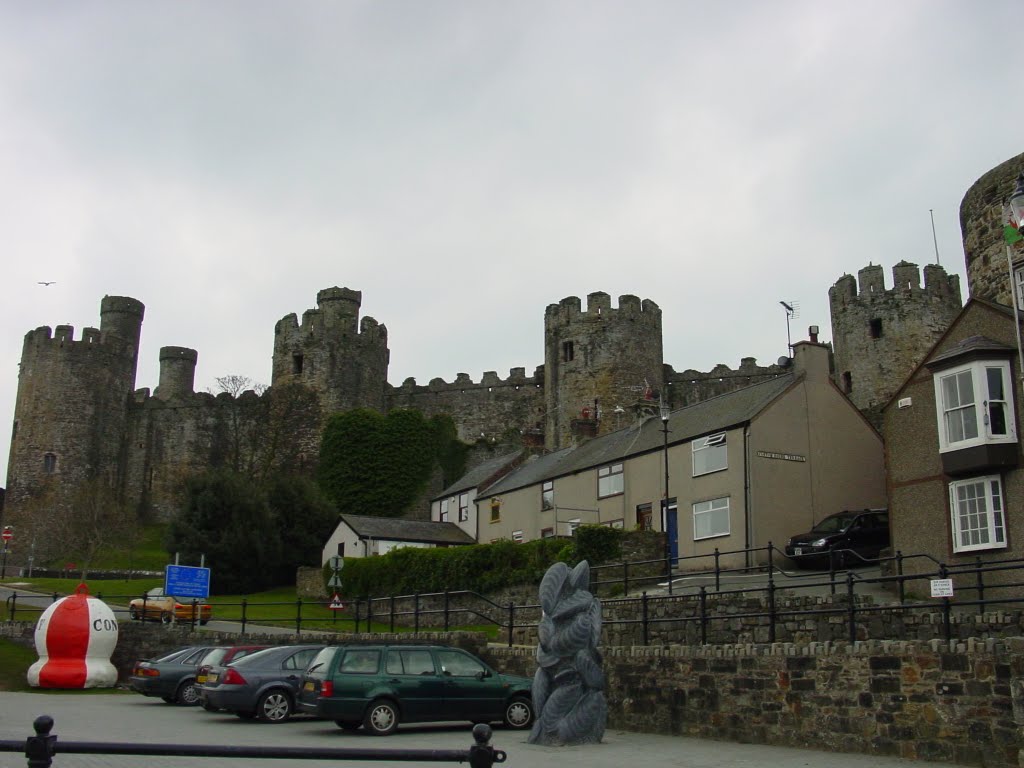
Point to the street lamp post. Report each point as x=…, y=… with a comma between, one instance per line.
x=664, y=502
x=1013, y=232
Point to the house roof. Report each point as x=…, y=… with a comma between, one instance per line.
x=706, y=417
x=397, y=529
x=479, y=474
x=968, y=346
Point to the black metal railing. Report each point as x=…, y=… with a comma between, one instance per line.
x=41, y=748
x=980, y=584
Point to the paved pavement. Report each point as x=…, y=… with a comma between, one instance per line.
x=86, y=716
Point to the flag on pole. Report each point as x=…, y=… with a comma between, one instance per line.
x=1011, y=227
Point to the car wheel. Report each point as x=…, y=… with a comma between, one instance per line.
x=133, y=613
x=381, y=718
x=274, y=707
x=348, y=725
x=187, y=694
x=166, y=618
x=518, y=713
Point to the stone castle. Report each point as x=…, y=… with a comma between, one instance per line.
x=79, y=416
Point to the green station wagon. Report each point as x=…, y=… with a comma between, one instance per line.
x=378, y=686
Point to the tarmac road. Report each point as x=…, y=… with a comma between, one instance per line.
x=86, y=716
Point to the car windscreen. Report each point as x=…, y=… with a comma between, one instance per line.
x=174, y=654
x=254, y=659
x=321, y=662
x=834, y=524
x=215, y=656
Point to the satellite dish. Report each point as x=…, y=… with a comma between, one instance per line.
x=783, y=362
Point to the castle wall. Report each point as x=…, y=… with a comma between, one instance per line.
x=486, y=409
x=880, y=334
x=981, y=224
x=344, y=363
x=604, y=354
x=689, y=387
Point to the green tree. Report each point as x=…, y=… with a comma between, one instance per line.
x=304, y=519
x=372, y=464
x=227, y=518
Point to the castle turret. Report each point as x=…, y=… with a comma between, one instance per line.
x=981, y=225
x=177, y=372
x=879, y=335
x=596, y=359
x=345, y=364
x=71, y=412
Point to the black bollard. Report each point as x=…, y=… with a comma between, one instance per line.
x=39, y=749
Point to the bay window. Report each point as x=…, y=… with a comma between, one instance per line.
x=977, y=511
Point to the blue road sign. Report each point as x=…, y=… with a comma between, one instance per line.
x=187, y=581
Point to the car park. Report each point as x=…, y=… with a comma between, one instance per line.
x=847, y=538
x=379, y=686
x=167, y=608
x=261, y=685
x=171, y=677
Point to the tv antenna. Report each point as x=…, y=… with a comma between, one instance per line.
x=792, y=311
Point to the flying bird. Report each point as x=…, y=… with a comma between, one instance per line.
x=46, y=282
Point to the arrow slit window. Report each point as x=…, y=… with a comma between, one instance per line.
x=49, y=463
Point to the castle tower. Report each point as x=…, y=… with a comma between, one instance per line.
x=71, y=412
x=981, y=225
x=345, y=363
x=879, y=335
x=604, y=354
x=177, y=372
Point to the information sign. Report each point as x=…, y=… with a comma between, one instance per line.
x=942, y=587
x=187, y=581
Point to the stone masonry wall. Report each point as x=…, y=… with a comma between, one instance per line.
x=958, y=702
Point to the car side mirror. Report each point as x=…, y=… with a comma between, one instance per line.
x=483, y=673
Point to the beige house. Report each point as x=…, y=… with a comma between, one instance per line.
x=954, y=457
x=743, y=469
x=457, y=503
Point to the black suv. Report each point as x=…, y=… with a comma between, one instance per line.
x=847, y=538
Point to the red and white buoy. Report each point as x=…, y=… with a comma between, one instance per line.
x=75, y=638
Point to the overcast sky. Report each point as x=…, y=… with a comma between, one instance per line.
x=465, y=164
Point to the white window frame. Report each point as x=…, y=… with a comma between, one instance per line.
x=463, y=507
x=977, y=510
x=610, y=481
x=547, y=495
x=1018, y=285
x=517, y=537
x=716, y=510
x=710, y=443
x=975, y=413
x=572, y=525
x=443, y=517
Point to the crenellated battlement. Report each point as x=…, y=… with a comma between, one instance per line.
x=870, y=284
x=64, y=336
x=463, y=383
x=599, y=309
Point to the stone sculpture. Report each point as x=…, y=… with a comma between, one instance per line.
x=568, y=688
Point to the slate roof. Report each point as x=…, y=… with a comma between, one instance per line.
x=478, y=474
x=397, y=529
x=709, y=416
x=968, y=345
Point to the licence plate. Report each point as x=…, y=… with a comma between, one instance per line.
x=797, y=551
x=308, y=685
x=212, y=678
x=200, y=678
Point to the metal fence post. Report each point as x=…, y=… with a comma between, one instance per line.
x=195, y=610
x=369, y=613
x=703, y=615
x=718, y=571
x=851, y=608
x=625, y=578
x=446, y=600
x=357, y=616
x=298, y=616
x=899, y=573
x=391, y=607
x=946, y=607
x=14, y=604
x=511, y=621
x=643, y=618
x=416, y=614
x=771, y=608
x=243, y=615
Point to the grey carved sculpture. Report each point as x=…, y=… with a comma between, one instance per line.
x=568, y=689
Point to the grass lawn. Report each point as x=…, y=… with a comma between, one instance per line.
x=15, y=660
x=276, y=606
